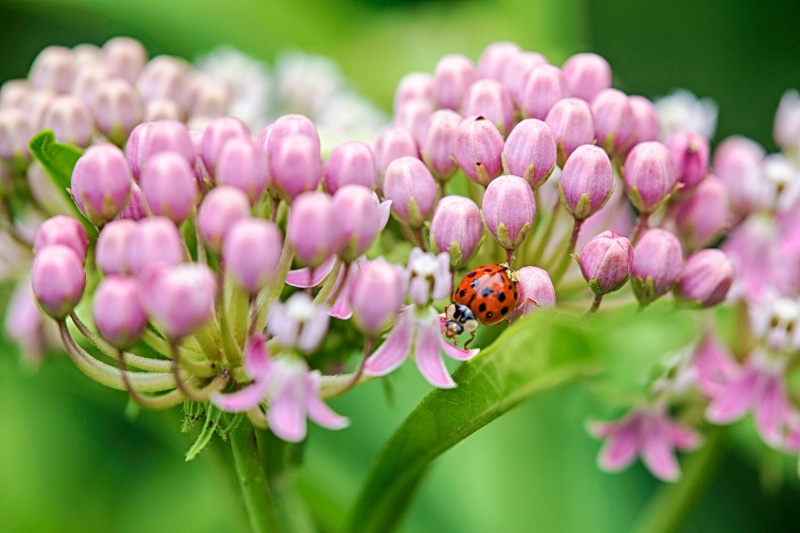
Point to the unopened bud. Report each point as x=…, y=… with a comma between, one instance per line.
x=456, y=228
x=530, y=151
x=58, y=280
x=479, y=149
x=657, y=263
x=508, y=210
x=705, y=278
x=606, y=262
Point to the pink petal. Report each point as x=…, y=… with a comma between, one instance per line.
x=429, y=357
x=385, y=209
x=682, y=437
x=657, y=453
x=393, y=351
x=310, y=277
x=318, y=411
x=455, y=352
x=287, y=409
x=243, y=399
x=257, y=362
x=715, y=367
x=341, y=307
x=619, y=451
x=771, y=411
x=733, y=400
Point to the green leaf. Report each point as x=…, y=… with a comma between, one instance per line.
x=209, y=427
x=57, y=158
x=535, y=355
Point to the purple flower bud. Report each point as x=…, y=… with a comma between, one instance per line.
x=786, y=130
x=645, y=120
x=530, y=151
x=312, y=230
x=135, y=210
x=413, y=86
x=649, y=175
x=437, y=143
x=613, y=121
x=705, y=278
x=657, y=263
x=117, y=109
x=690, y=155
x=58, y=280
x=150, y=138
x=358, y=219
x=587, y=75
x=118, y=312
x=412, y=190
x=372, y=315
x=179, y=298
x=289, y=126
x=62, y=230
x=15, y=134
x=479, y=149
x=162, y=109
x=536, y=291
x=169, y=186
x=392, y=144
x=456, y=228
x=295, y=166
x=495, y=59
x=70, y=120
x=453, y=76
x=251, y=251
x=219, y=210
x=545, y=86
x=490, y=99
x=736, y=163
x=519, y=68
x=124, y=57
x=101, y=183
x=413, y=116
x=702, y=216
x=111, y=254
x=219, y=132
x=53, y=69
x=162, y=77
x=508, y=210
x=350, y=163
x=586, y=181
x=156, y=242
x=606, y=262
x=572, y=125
x=243, y=165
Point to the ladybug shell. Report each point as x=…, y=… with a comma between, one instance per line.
x=489, y=292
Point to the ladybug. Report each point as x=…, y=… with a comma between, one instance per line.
x=487, y=295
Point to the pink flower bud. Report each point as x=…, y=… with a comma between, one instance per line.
x=690, y=155
x=169, y=186
x=150, y=138
x=101, y=183
x=786, y=129
x=118, y=312
x=13, y=93
x=111, y=254
x=251, y=251
x=587, y=75
x=161, y=109
x=479, y=149
x=124, y=57
x=508, y=210
x=613, y=121
x=135, y=210
x=58, y=280
x=54, y=69
x=437, y=143
x=87, y=83
x=358, y=218
x=412, y=190
x=243, y=165
x=495, y=59
x=156, y=242
x=413, y=86
x=545, y=86
x=219, y=210
x=490, y=99
x=649, y=175
x=16, y=131
x=657, y=263
x=530, y=151
x=456, y=228
x=736, y=163
x=536, y=291
x=703, y=216
x=312, y=230
x=219, y=132
x=289, y=126
x=572, y=125
x=606, y=262
x=206, y=96
x=586, y=181
x=705, y=278
x=453, y=76
x=372, y=315
x=645, y=120
x=117, y=109
x=392, y=144
x=62, y=230
x=179, y=298
x=350, y=163
x=413, y=116
x=36, y=104
x=162, y=77
x=70, y=120
x=295, y=166
x=519, y=68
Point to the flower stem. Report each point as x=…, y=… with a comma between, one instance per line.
x=561, y=269
x=642, y=225
x=598, y=298
x=545, y=236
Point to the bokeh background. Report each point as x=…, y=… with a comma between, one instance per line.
x=73, y=460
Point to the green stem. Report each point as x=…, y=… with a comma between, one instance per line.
x=544, y=238
x=250, y=472
x=561, y=269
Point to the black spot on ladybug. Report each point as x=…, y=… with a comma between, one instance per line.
x=472, y=274
x=501, y=297
x=489, y=314
x=487, y=270
x=487, y=291
x=462, y=292
x=482, y=308
x=516, y=295
x=504, y=310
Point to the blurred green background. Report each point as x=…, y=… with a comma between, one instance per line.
x=71, y=460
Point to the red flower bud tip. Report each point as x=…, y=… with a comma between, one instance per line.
x=219, y=210
x=453, y=76
x=358, y=218
x=113, y=245
x=530, y=151
x=496, y=58
x=587, y=75
x=690, y=155
x=118, y=312
x=508, y=210
x=169, y=186
x=606, y=262
x=70, y=120
x=150, y=138
x=242, y=164
x=53, y=69
x=101, y=183
x=456, y=228
x=572, y=125
x=162, y=77
x=295, y=165
x=645, y=120
x=736, y=163
x=179, y=298
x=545, y=86
x=479, y=149
x=155, y=242
x=587, y=181
x=786, y=130
x=650, y=176
x=657, y=263
x=16, y=131
x=62, y=230
x=536, y=291
x=490, y=99
x=58, y=280
x=703, y=216
x=124, y=58
x=413, y=86
x=705, y=278
x=613, y=121
x=411, y=188
x=392, y=144
x=117, y=109
x=312, y=230
x=350, y=163
x=372, y=315
x=437, y=143
x=251, y=251
x=520, y=67
x=219, y=132
x=413, y=116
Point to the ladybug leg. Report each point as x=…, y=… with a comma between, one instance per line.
x=471, y=338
